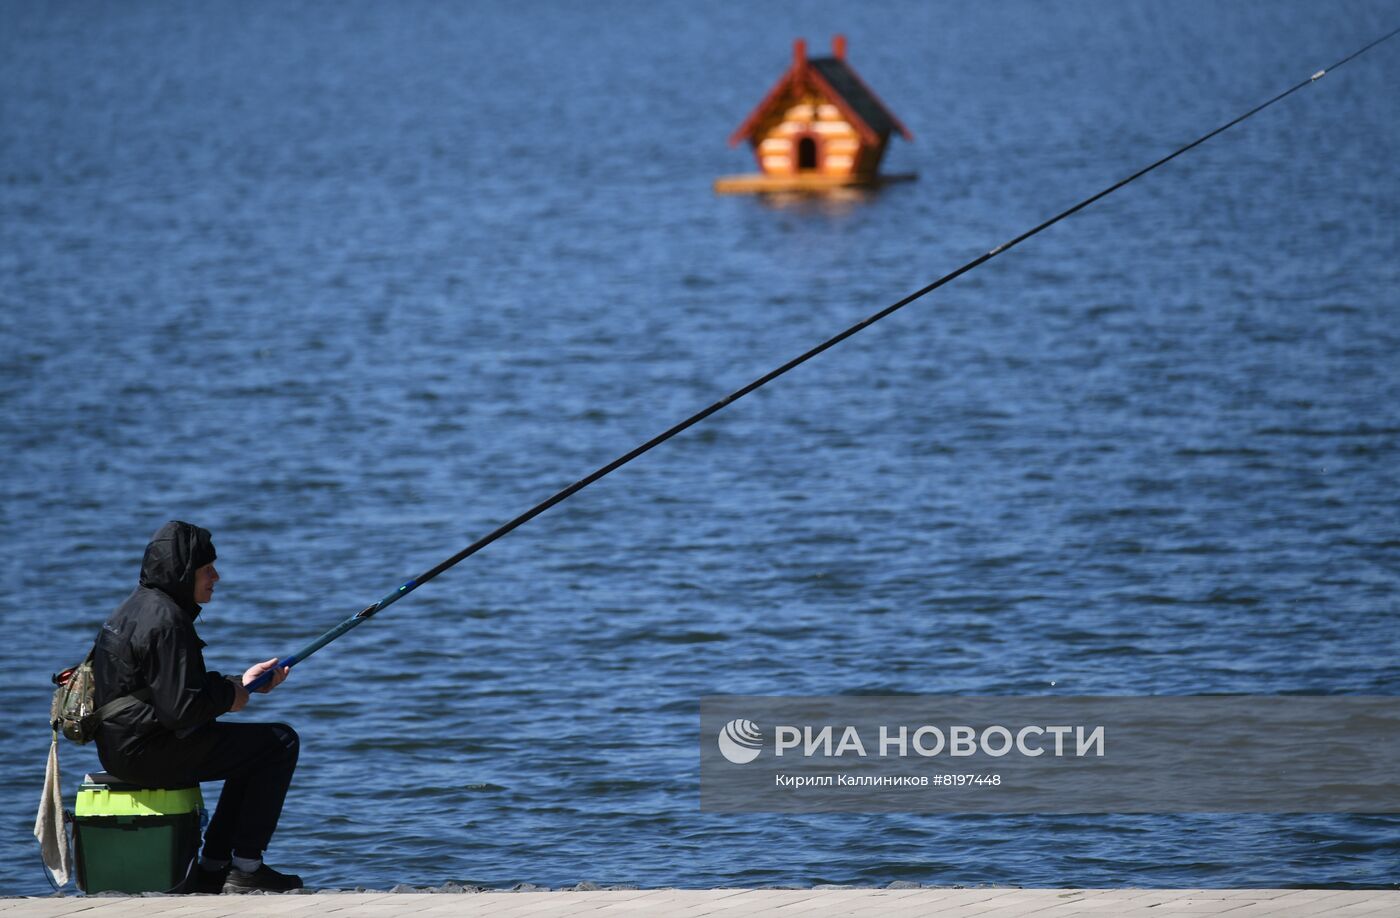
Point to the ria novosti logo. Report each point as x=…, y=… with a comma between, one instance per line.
x=740, y=741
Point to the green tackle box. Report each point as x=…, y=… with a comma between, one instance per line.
x=134, y=839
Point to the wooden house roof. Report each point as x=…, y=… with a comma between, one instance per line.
x=835, y=80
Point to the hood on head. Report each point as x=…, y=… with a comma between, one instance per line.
x=175, y=552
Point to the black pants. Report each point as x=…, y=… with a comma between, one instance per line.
x=255, y=762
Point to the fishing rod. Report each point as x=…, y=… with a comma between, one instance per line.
x=409, y=586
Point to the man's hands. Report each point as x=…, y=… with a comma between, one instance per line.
x=240, y=694
x=278, y=675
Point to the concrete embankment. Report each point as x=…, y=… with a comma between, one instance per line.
x=732, y=903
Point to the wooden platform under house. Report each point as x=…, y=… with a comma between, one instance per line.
x=819, y=127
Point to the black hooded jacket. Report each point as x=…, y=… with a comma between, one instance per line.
x=150, y=641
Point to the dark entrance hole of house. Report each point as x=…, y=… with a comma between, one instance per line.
x=806, y=153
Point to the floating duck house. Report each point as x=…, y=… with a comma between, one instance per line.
x=819, y=127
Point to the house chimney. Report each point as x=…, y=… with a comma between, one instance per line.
x=838, y=47
x=799, y=52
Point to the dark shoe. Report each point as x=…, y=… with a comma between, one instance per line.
x=203, y=882
x=264, y=878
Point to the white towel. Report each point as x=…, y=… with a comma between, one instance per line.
x=48, y=826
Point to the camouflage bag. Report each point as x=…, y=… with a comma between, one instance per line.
x=74, y=712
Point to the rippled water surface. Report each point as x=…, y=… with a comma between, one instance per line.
x=350, y=284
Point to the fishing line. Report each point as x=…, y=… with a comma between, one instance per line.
x=564, y=494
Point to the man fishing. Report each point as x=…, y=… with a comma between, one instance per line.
x=175, y=738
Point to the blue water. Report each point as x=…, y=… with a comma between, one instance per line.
x=350, y=284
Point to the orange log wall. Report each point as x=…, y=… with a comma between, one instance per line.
x=840, y=151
